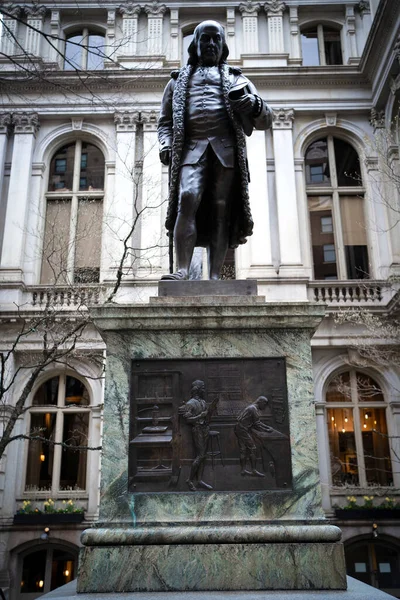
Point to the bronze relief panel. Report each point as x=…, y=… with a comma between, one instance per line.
x=209, y=425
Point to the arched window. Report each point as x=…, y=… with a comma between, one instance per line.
x=45, y=569
x=336, y=208
x=375, y=562
x=321, y=46
x=59, y=416
x=74, y=209
x=84, y=50
x=357, y=430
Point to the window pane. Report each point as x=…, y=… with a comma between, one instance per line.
x=47, y=393
x=56, y=242
x=95, y=57
x=76, y=392
x=358, y=563
x=339, y=389
x=62, y=168
x=323, y=242
x=33, y=570
x=88, y=241
x=62, y=568
x=309, y=47
x=378, y=466
x=73, y=462
x=317, y=164
x=39, y=471
x=367, y=389
x=342, y=444
x=73, y=52
x=92, y=168
x=347, y=164
x=333, y=49
x=354, y=237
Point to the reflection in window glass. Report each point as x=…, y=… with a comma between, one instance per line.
x=329, y=253
x=39, y=471
x=309, y=46
x=92, y=168
x=333, y=50
x=47, y=393
x=33, y=573
x=339, y=389
x=56, y=242
x=61, y=169
x=76, y=392
x=317, y=164
x=95, y=55
x=84, y=50
x=367, y=389
x=323, y=241
x=378, y=466
x=73, y=462
x=347, y=164
x=354, y=237
x=344, y=464
x=73, y=52
x=326, y=225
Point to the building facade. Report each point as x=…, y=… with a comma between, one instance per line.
x=82, y=214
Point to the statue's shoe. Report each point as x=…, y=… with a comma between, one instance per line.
x=178, y=276
x=191, y=485
x=245, y=472
x=204, y=485
x=256, y=473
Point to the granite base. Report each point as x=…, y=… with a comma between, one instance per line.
x=194, y=567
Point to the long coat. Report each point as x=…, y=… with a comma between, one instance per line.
x=171, y=134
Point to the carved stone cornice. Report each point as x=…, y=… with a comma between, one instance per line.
x=155, y=9
x=35, y=11
x=283, y=118
x=377, y=119
x=12, y=10
x=249, y=8
x=126, y=121
x=129, y=9
x=364, y=7
x=5, y=122
x=25, y=122
x=149, y=119
x=274, y=7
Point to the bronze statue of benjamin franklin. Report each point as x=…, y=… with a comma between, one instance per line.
x=206, y=111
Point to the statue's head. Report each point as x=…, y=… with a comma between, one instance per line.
x=262, y=402
x=208, y=46
x=198, y=388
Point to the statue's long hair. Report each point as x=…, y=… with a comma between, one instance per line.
x=192, y=50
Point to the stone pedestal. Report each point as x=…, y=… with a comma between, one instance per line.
x=273, y=537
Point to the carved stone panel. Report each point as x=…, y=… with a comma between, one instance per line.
x=209, y=425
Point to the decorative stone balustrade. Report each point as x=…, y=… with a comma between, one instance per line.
x=68, y=298
x=345, y=293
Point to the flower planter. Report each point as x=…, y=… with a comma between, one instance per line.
x=47, y=519
x=369, y=514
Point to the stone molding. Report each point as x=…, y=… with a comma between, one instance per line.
x=274, y=7
x=149, y=120
x=25, y=122
x=155, y=9
x=77, y=123
x=126, y=121
x=5, y=122
x=331, y=119
x=35, y=12
x=371, y=163
x=283, y=118
x=396, y=49
x=249, y=9
x=13, y=11
x=377, y=119
x=363, y=7
x=130, y=9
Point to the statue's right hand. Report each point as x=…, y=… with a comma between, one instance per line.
x=165, y=156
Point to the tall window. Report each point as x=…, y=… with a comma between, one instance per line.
x=44, y=570
x=336, y=208
x=60, y=414
x=72, y=237
x=84, y=50
x=321, y=46
x=358, y=435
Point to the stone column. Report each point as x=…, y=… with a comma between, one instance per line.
x=364, y=9
x=230, y=31
x=295, y=46
x=353, y=57
x=130, y=16
x=155, y=17
x=249, y=12
x=260, y=241
x=110, y=35
x=274, y=10
x=26, y=126
x=151, y=231
x=288, y=221
x=34, y=26
x=118, y=210
x=174, y=34
x=8, y=45
x=5, y=122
